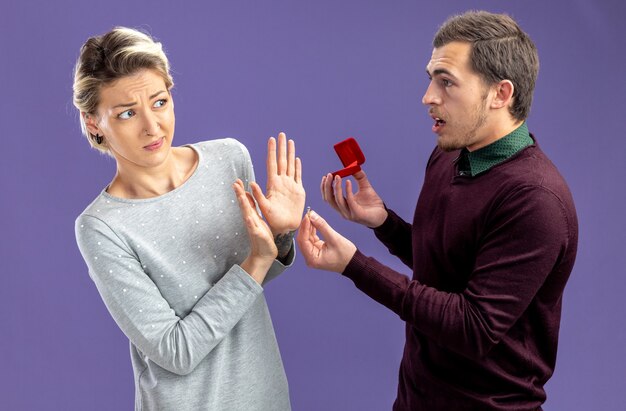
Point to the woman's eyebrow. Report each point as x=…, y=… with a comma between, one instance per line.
x=125, y=105
x=156, y=94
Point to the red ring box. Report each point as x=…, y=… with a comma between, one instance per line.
x=351, y=157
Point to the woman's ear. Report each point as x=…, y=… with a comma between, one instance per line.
x=91, y=123
x=504, y=94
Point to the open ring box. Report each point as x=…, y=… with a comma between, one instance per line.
x=351, y=157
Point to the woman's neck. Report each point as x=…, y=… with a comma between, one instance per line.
x=136, y=182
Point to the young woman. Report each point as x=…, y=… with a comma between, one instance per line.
x=175, y=244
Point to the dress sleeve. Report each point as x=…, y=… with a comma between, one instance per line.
x=524, y=243
x=277, y=267
x=145, y=317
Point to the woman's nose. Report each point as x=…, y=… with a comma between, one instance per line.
x=151, y=126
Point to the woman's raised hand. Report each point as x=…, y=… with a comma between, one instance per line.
x=282, y=204
x=263, y=250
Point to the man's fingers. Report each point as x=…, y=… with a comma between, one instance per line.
x=339, y=198
x=304, y=239
x=361, y=179
x=350, y=196
x=323, y=188
x=359, y=175
x=327, y=193
x=319, y=224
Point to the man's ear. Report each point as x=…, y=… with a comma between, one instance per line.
x=91, y=122
x=503, y=94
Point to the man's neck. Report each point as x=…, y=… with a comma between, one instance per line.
x=495, y=131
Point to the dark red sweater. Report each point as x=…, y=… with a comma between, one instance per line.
x=490, y=256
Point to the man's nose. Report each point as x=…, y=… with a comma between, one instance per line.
x=430, y=97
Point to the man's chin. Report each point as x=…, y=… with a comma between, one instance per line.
x=447, y=146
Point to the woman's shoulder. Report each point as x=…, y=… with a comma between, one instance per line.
x=220, y=144
x=94, y=215
x=223, y=148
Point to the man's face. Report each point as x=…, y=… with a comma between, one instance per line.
x=457, y=98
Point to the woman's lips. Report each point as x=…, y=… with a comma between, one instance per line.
x=156, y=145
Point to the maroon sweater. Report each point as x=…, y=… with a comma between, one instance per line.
x=490, y=256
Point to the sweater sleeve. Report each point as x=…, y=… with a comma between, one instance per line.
x=277, y=267
x=525, y=240
x=174, y=343
x=395, y=234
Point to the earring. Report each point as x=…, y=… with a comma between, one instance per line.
x=99, y=139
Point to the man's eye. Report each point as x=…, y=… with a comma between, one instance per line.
x=446, y=82
x=160, y=103
x=126, y=114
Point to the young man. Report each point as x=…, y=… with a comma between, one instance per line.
x=493, y=238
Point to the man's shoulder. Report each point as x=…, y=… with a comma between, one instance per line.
x=532, y=173
x=534, y=167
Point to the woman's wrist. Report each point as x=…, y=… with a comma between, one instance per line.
x=257, y=267
x=283, y=243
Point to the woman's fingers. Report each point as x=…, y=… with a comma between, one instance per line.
x=259, y=197
x=282, y=154
x=298, y=174
x=271, y=157
x=281, y=158
x=291, y=158
x=245, y=200
x=252, y=205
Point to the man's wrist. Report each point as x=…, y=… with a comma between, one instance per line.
x=379, y=221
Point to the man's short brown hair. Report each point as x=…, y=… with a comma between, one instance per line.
x=500, y=50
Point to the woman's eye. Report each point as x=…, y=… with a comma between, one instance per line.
x=160, y=103
x=125, y=115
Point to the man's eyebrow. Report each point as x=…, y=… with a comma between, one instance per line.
x=439, y=71
x=132, y=104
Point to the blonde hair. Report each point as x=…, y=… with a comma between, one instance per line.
x=109, y=57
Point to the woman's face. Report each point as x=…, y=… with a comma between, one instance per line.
x=136, y=118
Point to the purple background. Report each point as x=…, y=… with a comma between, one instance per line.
x=321, y=71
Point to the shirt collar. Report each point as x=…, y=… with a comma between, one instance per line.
x=483, y=159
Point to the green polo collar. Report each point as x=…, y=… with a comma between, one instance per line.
x=476, y=162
